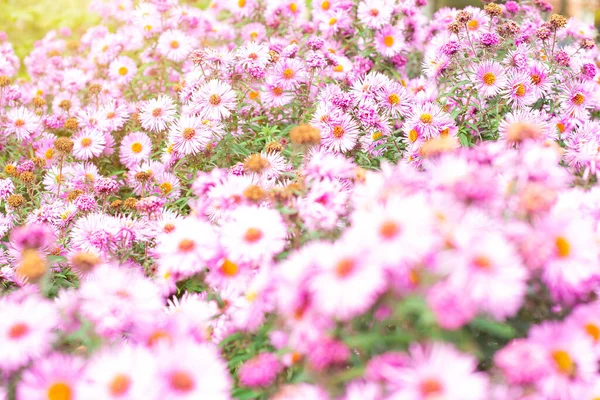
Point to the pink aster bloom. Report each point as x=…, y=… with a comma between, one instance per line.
x=520, y=90
x=374, y=13
x=274, y=95
x=522, y=361
x=576, y=98
x=428, y=119
x=389, y=41
x=55, y=377
x=122, y=69
x=189, y=135
x=118, y=300
x=253, y=234
x=190, y=371
x=188, y=248
x=157, y=113
x=253, y=54
x=342, y=134
x=21, y=123
x=288, y=73
x=428, y=375
x=122, y=372
x=135, y=148
x=26, y=329
x=394, y=99
x=540, y=79
x=175, y=45
x=490, y=78
x=88, y=143
x=214, y=100
x=571, y=362
x=260, y=371
x=347, y=282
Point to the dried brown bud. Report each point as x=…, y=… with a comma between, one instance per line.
x=4, y=81
x=65, y=105
x=74, y=194
x=94, y=89
x=143, y=176
x=71, y=124
x=273, y=56
x=454, y=27
x=38, y=101
x=273, y=147
x=83, y=262
x=32, y=266
x=254, y=193
x=63, y=145
x=27, y=177
x=305, y=134
x=15, y=200
x=463, y=17
x=116, y=204
x=255, y=163
x=557, y=21
x=493, y=10
x=130, y=203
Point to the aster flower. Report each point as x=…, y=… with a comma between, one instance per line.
x=253, y=54
x=394, y=99
x=288, y=73
x=189, y=135
x=490, y=78
x=261, y=371
x=54, y=377
x=21, y=123
x=520, y=91
x=157, y=113
x=122, y=69
x=253, y=234
x=88, y=143
x=214, y=100
x=374, y=13
x=576, y=98
x=175, y=45
x=342, y=134
x=427, y=119
x=135, y=147
x=389, y=41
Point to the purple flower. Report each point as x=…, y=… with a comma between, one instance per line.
x=85, y=202
x=562, y=58
x=588, y=70
x=260, y=371
x=106, y=186
x=315, y=42
x=489, y=39
x=450, y=48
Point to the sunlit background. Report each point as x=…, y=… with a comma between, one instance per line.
x=26, y=21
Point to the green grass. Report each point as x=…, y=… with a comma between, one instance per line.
x=26, y=21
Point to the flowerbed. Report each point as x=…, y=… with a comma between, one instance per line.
x=346, y=200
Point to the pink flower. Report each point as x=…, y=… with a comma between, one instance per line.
x=122, y=69
x=175, y=45
x=389, y=41
x=490, y=78
x=374, y=13
x=214, y=100
x=22, y=123
x=135, y=147
x=157, y=113
x=428, y=376
x=342, y=134
x=189, y=135
x=57, y=376
x=89, y=143
x=190, y=371
x=260, y=371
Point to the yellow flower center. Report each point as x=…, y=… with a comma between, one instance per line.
x=85, y=142
x=473, y=24
x=136, y=147
x=593, y=330
x=338, y=132
x=393, y=99
x=293, y=7
x=338, y=68
x=49, y=154
x=166, y=187
x=119, y=385
x=19, y=123
x=288, y=73
x=174, y=44
x=376, y=135
x=536, y=79
x=123, y=71
x=229, y=268
x=188, y=133
x=563, y=361
x=563, y=248
x=489, y=78
x=426, y=118
x=241, y=3
x=413, y=135
x=214, y=99
x=332, y=21
x=520, y=90
x=325, y=5
x=578, y=99
x=388, y=41
x=59, y=391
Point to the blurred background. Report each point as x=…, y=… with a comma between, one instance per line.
x=26, y=21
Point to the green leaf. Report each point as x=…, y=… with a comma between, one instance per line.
x=494, y=328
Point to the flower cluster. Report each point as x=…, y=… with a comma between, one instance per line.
x=339, y=199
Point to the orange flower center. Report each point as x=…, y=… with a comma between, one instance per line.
x=345, y=267
x=536, y=79
x=85, y=142
x=186, y=245
x=19, y=123
x=214, y=99
x=563, y=247
x=563, y=361
x=520, y=90
x=489, y=78
x=59, y=391
x=18, y=331
x=431, y=387
x=136, y=147
x=189, y=133
x=578, y=99
x=325, y=5
x=593, y=330
x=229, y=268
x=174, y=44
x=413, y=135
x=389, y=229
x=119, y=385
x=393, y=99
x=253, y=235
x=182, y=381
x=482, y=262
x=288, y=73
x=338, y=132
x=473, y=24
x=388, y=41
